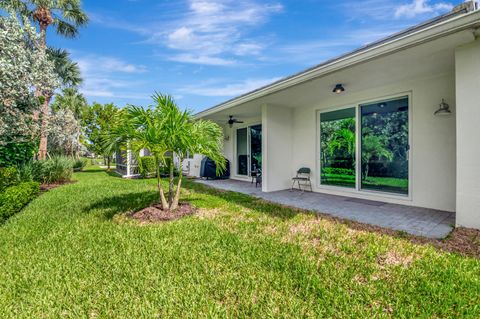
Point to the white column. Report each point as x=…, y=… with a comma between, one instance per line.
x=276, y=147
x=129, y=161
x=467, y=68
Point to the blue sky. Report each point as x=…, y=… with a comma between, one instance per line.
x=204, y=52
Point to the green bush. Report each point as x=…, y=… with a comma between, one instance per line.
x=14, y=198
x=146, y=166
x=338, y=171
x=8, y=177
x=13, y=154
x=25, y=171
x=79, y=164
x=57, y=169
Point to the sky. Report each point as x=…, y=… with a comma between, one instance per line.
x=204, y=52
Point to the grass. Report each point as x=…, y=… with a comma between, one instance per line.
x=386, y=184
x=71, y=254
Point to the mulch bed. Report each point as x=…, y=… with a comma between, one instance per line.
x=47, y=187
x=155, y=214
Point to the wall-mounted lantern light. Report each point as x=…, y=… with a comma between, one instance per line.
x=443, y=110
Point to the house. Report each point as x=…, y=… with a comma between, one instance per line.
x=396, y=121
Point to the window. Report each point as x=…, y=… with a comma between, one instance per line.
x=383, y=141
x=337, y=148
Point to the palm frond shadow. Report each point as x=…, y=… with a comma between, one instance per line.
x=124, y=203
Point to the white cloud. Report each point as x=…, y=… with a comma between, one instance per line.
x=228, y=90
x=215, y=30
x=419, y=7
x=201, y=59
x=108, y=77
x=107, y=64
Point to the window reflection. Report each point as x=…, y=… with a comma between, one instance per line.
x=337, y=149
x=385, y=146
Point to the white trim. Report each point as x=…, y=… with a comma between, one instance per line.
x=357, y=189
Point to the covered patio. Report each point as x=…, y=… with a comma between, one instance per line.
x=413, y=220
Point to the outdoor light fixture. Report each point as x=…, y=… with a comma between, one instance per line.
x=444, y=109
x=338, y=89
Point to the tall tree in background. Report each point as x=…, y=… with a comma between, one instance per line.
x=24, y=69
x=98, y=121
x=72, y=100
x=66, y=16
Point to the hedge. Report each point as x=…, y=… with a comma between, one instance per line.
x=14, y=198
x=9, y=176
x=146, y=166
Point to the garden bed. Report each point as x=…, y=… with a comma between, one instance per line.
x=155, y=213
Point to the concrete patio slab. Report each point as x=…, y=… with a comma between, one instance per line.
x=413, y=220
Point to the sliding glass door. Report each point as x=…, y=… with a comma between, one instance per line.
x=380, y=130
x=385, y=146
x=249, y=150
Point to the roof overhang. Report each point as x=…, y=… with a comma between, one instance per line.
x=426, y=32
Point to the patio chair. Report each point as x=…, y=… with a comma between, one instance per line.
x=258, y=179
x=302, y=179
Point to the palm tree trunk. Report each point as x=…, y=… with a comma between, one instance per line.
x=163, y=201
x=42, y=150
x=176, y=199
x=171, y=182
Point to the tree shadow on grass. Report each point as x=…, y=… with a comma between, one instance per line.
x=124, y=203
x=250, y=202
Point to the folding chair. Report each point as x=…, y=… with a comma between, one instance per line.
x=302, y=179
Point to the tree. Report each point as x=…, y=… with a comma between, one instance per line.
x=165, y=129
x=67, y=110
x=68, y=72
x=24, y=69
x=373, y=146
x=66, y=16
x=64, y=133
x=70, y=99
x=98, y=120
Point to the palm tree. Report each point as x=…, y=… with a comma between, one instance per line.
x=66, y=16
x=165, y=129
x=70, y=99
x=68, y=71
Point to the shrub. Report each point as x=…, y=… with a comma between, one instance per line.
x=25, y=172
x=8, y=177
x=13, y=154
x=14, y=198
x=338, y=171
x=146, y=166
x=57, y=169
x=79, y=164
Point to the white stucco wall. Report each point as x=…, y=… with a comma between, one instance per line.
x=468, y=135
x=433, y=160
x=276, y=147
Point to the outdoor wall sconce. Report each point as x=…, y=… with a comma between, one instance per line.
x=338, y=89
x=443, y=110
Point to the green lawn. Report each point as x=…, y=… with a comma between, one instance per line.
x=385, y=184
x=70, y=254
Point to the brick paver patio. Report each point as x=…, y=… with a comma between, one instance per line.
x=413, y=220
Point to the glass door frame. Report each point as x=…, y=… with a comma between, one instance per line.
x=249, y=149
x=358, y=148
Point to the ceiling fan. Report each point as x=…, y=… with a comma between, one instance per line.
x=232, y=121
